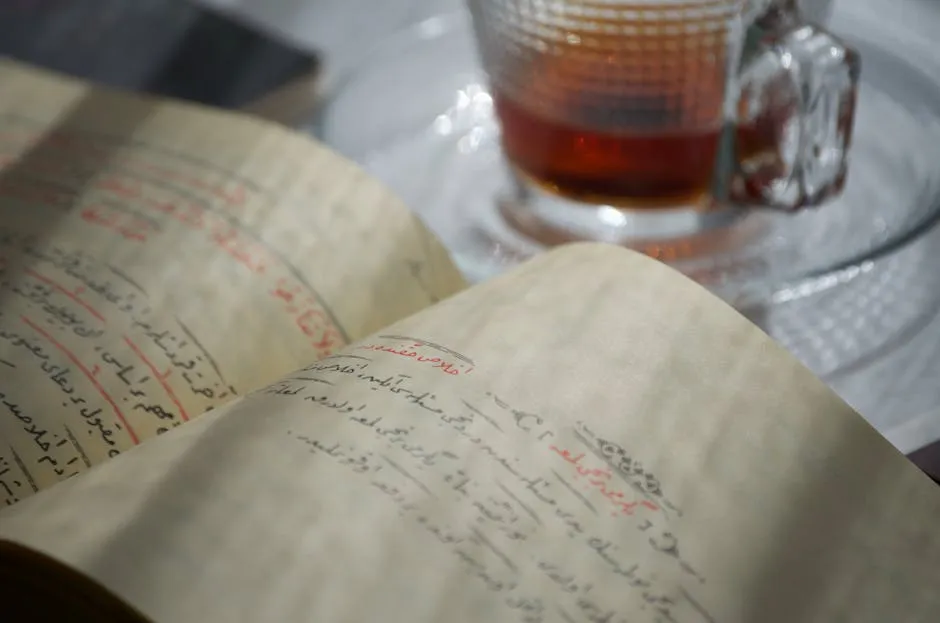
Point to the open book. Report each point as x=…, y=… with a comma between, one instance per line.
x=591, y=438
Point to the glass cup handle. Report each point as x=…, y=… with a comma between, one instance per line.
x=796, y=111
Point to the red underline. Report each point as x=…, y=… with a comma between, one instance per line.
x=160, y=378
x=67, y=293
x=88, y=374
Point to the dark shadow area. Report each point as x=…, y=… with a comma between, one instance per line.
x=167, y=47
x=34, y=587
x=928, y=460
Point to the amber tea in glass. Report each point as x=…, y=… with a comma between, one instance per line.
x=656, y=105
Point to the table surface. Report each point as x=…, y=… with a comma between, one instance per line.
x=272, y=44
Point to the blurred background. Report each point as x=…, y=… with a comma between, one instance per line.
x=867, y=324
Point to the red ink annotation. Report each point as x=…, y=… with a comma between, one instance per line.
x=600, y=479
x=446, y=367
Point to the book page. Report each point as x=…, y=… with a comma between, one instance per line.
x=158, y=260
x=590, y=439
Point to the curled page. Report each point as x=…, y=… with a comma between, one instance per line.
x=592, y=438
x=158, y=260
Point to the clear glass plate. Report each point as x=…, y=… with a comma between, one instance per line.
x=832, y=284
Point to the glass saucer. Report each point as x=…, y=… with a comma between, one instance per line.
x=415, y=112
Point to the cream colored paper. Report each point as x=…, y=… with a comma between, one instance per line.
x=592, y=438
x=157, y=260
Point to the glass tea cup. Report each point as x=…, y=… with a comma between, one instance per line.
x=631, y=121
